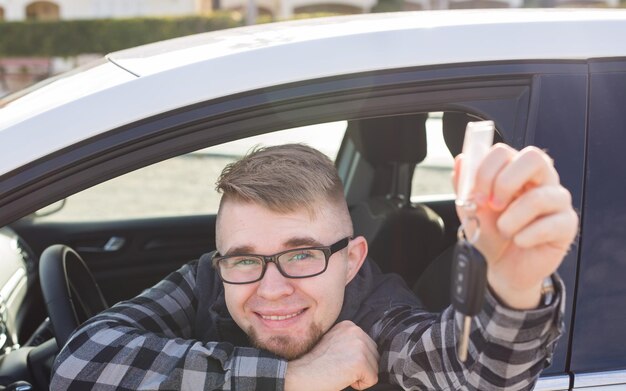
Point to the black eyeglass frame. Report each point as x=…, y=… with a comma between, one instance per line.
x=327, y=250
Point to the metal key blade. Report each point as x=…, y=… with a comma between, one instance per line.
x=464, y=341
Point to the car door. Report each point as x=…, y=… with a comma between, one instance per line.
x=530, y=102
x=598, y=345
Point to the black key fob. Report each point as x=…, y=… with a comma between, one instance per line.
x=469, y=279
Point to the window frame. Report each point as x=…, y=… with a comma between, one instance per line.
x=478, y=89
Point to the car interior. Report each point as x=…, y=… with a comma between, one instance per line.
x=58, y=270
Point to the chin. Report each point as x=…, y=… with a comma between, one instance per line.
x=287, y=346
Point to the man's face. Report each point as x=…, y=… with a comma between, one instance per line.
x=283, y=315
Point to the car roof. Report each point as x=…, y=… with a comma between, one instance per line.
x=152, y=79
x=394, y=40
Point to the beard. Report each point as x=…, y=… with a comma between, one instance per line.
x=289, y=347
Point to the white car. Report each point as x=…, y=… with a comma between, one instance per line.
x=117, y=160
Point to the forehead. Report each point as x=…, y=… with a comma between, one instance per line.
x=244, y=224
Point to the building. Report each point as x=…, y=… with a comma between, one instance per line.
x=92, y=9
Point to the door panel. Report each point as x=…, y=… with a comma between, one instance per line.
x=599, y=341
x=557, y=123
x=546, y=112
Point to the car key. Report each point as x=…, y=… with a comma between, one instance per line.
x=469, y=272
x=469, y=281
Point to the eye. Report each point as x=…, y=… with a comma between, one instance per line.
x=241, y=262
x=300, y=256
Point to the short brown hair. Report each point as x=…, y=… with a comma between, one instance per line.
x=282, y=178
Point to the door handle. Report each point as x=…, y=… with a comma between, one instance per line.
x=115, y=243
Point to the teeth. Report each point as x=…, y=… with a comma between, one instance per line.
x=280, y=317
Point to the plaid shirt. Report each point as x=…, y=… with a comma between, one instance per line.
x=149, y=343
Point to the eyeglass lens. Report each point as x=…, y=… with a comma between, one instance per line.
x=297, y=263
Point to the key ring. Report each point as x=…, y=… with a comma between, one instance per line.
x=461, y=235
x=470, y=207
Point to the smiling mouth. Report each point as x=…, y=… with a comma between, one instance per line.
x=280, y=317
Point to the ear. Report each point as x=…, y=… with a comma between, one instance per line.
x=357, y=251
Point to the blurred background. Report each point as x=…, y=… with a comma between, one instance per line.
x=39, y=39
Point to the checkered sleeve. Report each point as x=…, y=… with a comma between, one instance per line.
x=145, y=344
x=507, y=349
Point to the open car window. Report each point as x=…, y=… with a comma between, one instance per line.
x=432, y=178
x=183, y=185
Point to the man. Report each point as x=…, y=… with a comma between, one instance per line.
x=289, y=300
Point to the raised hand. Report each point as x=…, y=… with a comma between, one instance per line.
x=527, y=222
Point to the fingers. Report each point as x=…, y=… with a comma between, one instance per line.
x=365, y=344
x=367, y=378
x=495, y=161
x=345, y=354
x=557, y=229
x=359, y=348
x=535, y=203
x=505, y=173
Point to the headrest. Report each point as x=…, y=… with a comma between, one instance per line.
x=399, y=139
x=454, y=125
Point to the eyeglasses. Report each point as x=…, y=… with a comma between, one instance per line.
x=296, y=263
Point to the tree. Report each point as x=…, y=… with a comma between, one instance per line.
x=388, y=6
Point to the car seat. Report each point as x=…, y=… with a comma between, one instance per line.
x=402, y=237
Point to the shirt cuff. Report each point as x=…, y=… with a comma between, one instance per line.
x=509, y=326
x=254, y=369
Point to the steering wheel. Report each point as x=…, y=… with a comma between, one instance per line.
x=69, y=289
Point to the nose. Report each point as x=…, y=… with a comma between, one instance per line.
x=274, y=285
